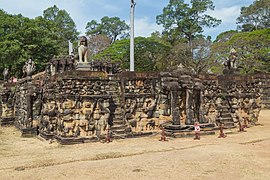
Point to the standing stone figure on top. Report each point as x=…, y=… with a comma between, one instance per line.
x=29, y=68
x=6, y=73
x=231, y=62
x=233, y=55
x=83, y=49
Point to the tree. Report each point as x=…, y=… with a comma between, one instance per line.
x=23, y=38
x=98, y=43
x=220, y=51
x=252, y=51
x=198, y=60
x=64, y=27
x=149, y=54
x=184, y=21
x=255, y=17
x=179, y=54
x=201, y=55
x=225, y=36
x=111, y=27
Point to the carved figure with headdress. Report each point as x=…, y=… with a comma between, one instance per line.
x=29, y=67
x=6, y=73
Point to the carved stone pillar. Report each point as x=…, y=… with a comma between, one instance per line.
x=175, y=109
x=29, y=106
x=189, y=110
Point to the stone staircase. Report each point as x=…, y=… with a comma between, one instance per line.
x=117, y=121
x=118, y=128
x=7, y=121
x=225, y=116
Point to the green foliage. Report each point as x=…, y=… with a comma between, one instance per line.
x=252, y=51
x=40, y=38
x=63, y=25
x=197, y=60
x=23, y=38
x=111, y=27
x=179, y=54
x=201, y=55
x=181, y=20
x=225, y=36
x=255, y=17
x=149, y=54
x=181, y=42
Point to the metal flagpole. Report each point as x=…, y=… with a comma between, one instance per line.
x=132, y=7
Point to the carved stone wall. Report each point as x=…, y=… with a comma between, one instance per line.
x=27, y=104
x=82, y=105
x=78, y=104
x=263, y=81
x=7, y=91
x=232, y=98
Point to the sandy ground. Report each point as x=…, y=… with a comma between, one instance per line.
x=239, y=156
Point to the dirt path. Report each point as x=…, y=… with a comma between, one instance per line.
x=239, y=156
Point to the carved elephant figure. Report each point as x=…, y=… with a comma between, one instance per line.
x=83, y=49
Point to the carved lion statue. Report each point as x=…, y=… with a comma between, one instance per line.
x=83, y=49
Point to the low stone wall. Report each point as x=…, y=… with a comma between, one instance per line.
x=81, y=105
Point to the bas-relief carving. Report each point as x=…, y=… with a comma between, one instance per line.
x=149, y=104
x=145, y=115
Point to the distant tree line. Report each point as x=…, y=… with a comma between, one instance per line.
x=40, y=38
x=181, y=42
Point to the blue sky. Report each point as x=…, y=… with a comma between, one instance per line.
x=83, y=11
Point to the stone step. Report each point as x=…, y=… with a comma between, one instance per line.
x=75, y=140
x=118, y=126
x=7, y=121
x=225, y=119
x=117, y=122
x=188, y=134
x=225, y=112
x=226, y=115
x=118, y=114
x=228, y=123
x=119, y=131
x=118, y=118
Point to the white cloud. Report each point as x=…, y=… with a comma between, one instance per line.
x=83, y=11
x=143, y=27
x=227, y=15
x=112, y=8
